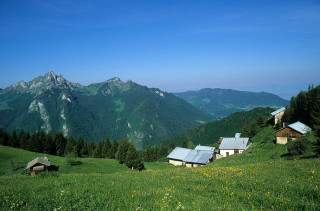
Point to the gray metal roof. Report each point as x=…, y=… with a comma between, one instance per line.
x=206, y=148
x=42, y=160
x=179, y=153
x=300, y=127
x=234, y=143
x=278, y=111
x=198, y=156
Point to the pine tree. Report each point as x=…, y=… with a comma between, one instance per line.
x=49, y=146
x=14, y=139
x=122, y=151
x=245, y=132
x=105, y=148
x=85, y=150
x=60, y=143
x=261, y=122
x=98, y=150
x=70, y=146
x=34, y=143
x=23, y=141
x=4, y=137
x=190, y=145
x=184, y=144
x=172, y=145
x=79, y=145
x=133, y=159
x=163, y=151
x=113, y=150
x=91, y=148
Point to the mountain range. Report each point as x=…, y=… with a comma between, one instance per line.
x=223, y=102
x=114, y=109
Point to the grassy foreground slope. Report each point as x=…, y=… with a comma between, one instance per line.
x=258, y=179
x=88, y=165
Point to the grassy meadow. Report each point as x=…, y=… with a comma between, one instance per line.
x=259, y=179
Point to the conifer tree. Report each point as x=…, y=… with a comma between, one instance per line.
x=23, y=141
x=4, y=137
x=122, y=151
x=261, y=122
x=79, y=147
x=113, y=150
x=49, y=146
x=34, y=143
x=184, y=144
x=133, y=158
x=91, y=147
x=105, y=148
x=190, y=145
x=70, y=146
x=60, y=143
x=98, y=150
x=172, y=145
x=14, y=142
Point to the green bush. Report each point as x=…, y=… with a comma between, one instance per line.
x=300, y=146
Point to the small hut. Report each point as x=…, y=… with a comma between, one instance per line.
x=37, y=165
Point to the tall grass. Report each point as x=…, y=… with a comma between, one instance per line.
x=258, y=179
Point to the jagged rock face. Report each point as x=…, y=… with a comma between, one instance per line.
x=46, y=82
x=114, y=109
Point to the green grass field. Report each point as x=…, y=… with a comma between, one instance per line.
x=258, y=179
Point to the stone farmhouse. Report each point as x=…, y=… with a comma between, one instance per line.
x=37, y=165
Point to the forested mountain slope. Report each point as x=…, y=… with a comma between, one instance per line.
x=209, y=133
x=113, y=109
x=223, y=102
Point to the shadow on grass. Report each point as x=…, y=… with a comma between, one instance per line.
x=53, y=168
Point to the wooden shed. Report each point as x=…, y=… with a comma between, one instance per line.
x=37, y=165
x=291, y=132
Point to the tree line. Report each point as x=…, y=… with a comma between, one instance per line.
x=57, y=144
x=250, y=129
x=305, y=107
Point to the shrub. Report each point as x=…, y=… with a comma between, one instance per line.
x=71, y=159
x=300, y=146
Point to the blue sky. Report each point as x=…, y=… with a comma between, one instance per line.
x=174, y=45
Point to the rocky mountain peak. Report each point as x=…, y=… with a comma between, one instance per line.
x=41, y=83
x=52, y=77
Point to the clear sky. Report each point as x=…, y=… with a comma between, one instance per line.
x=174, y=45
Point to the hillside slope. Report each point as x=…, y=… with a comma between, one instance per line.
x=20, y=158
x=223, y=102
x=113, y=109
x=210, y=133
x=259, y=178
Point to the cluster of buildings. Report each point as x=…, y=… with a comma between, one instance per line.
x=201, y=155
x=290, y=132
